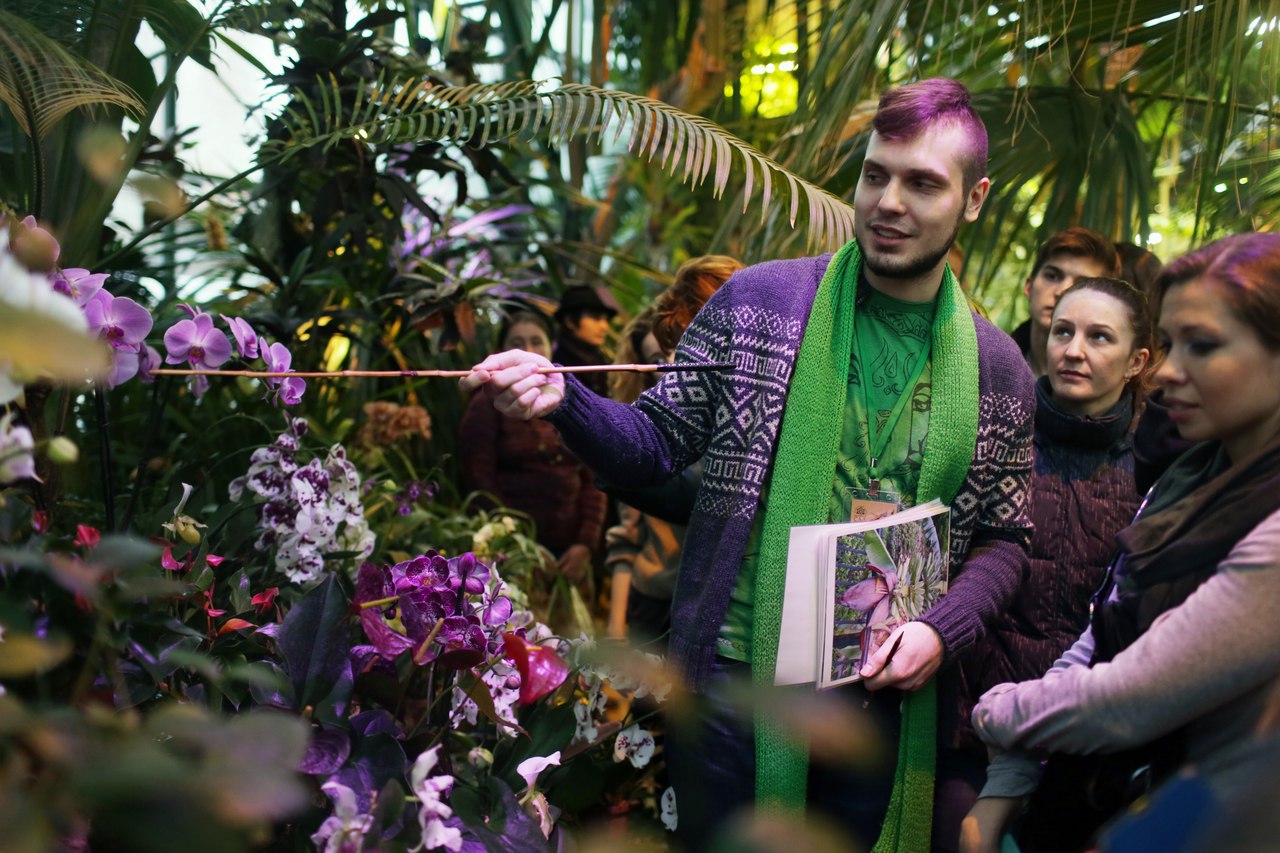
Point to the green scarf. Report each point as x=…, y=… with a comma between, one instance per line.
x=803, y=470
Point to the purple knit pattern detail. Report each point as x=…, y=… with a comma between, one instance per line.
x=732, y=421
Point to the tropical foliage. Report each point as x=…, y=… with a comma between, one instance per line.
x=263, y=613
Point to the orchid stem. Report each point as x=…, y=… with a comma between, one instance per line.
x=104, y=444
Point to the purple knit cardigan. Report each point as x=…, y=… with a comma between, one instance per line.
x=731, y=421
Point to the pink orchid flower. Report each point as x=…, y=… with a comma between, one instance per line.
x=78, y=283
x=246, y=338
x=198, y=342
x=120, y=321
x=284, y=390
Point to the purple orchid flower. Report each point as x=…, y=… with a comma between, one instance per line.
x=120, y=321
x=429, y=597
x=148, y=360
x=373, y=583
x=873, y=596
x=78, y=283
x=124, y=366
x=246, y=338
x=283, y=390
x=496, y=608
x=198, y=342
x=467, y=574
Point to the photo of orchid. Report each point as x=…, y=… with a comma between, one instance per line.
x=877, y=580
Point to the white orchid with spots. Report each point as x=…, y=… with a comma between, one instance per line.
x=634, y=744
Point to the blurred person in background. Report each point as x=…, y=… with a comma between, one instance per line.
x=584, y=320
x=1066, y=256
x=524, y=464
x=642, y=552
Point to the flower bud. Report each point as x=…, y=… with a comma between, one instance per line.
x=63, y=450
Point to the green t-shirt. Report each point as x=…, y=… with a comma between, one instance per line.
x=891, y=335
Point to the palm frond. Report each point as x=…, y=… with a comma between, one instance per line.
x=41, y=81
x=395, y=111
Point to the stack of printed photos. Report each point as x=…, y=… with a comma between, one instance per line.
x=850, y=585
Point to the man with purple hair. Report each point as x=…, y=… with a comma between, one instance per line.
x=855, y=375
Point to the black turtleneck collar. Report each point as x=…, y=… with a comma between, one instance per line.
x=1060, y=427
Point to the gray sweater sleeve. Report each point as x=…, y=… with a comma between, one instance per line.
x=1017, y=773
x=1213, y=648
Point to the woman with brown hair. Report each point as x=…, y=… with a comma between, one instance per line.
x=1181, y=652
x=524, y=464
x=1098, y=359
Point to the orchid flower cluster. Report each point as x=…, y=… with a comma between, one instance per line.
x=438, y=608
x=310, y=509
x=195, y=341
x=124, y=325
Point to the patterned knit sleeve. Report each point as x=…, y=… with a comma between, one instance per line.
x=997, y=493
x=668, y=428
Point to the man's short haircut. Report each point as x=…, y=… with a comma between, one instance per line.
x=1082, y=243
x=906, y=111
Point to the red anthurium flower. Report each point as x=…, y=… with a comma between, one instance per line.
x=262, y=601
x=39, y=520
x=541, y=669
x=86, y=536
x=169, y=563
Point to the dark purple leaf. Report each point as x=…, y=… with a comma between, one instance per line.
x=326, y=752
x=314, y=642
x=376, y=722
x=374, y=761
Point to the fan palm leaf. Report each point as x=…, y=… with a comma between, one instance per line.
x=401, y=111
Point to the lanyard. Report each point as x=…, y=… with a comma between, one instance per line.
x=877, y=444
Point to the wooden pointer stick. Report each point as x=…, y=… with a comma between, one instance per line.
x=444, y=374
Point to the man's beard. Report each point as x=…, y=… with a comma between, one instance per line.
x=908, y=268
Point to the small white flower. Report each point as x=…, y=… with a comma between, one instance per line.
x=670, y=818
x=634, y=744
x=345, y=829
x=432, y=810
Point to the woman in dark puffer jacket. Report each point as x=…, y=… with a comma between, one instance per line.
x=1082, y=493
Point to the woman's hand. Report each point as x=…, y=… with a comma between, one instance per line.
x=574, y=562
x=986, y=823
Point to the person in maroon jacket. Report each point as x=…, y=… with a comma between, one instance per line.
x=525, y=466
x=1098, y=357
